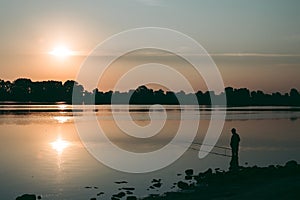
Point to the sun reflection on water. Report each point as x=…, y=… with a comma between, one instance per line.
x=62, y=119
x=59, y=145
x=62, y=107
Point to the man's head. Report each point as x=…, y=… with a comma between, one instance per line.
x=233, y=131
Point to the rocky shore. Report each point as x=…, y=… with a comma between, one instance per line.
x=272, y=182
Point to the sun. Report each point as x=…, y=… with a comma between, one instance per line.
x=61, y=51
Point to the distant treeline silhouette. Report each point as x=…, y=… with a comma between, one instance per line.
x=25, y=90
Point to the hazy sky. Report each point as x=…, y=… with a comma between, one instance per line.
x=255, y=44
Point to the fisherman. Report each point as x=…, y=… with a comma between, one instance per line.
x=234, y=144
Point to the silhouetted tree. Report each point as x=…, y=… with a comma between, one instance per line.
x=21, y=89
x=294, y=97
x=25, y=90
x=5, y=90
x=71, y=86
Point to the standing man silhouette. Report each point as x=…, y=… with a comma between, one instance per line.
x=234, y=144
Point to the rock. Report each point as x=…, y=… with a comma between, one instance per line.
x=188, y=177
x=156, y=181
x=119, y=195
x=131, y=198
x=121, y=182
x=95, y=187
x=128, y=188
x=182, y=185
x=27, y=197
x=39, y=197
x=271, y=166
x=93, y=198
x=208, y=172
x=291, y=164
x=189, y=172
x=100, y=193
x=129, y=192
x=157, y=185
x=205, y=174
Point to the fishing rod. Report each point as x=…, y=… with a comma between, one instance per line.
x=220, y=147
x=211, y=152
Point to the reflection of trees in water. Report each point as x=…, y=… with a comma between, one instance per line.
x=25, y=90
x=293, y=118
x=35, y=116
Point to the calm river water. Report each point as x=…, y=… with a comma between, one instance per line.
x=41, y=151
